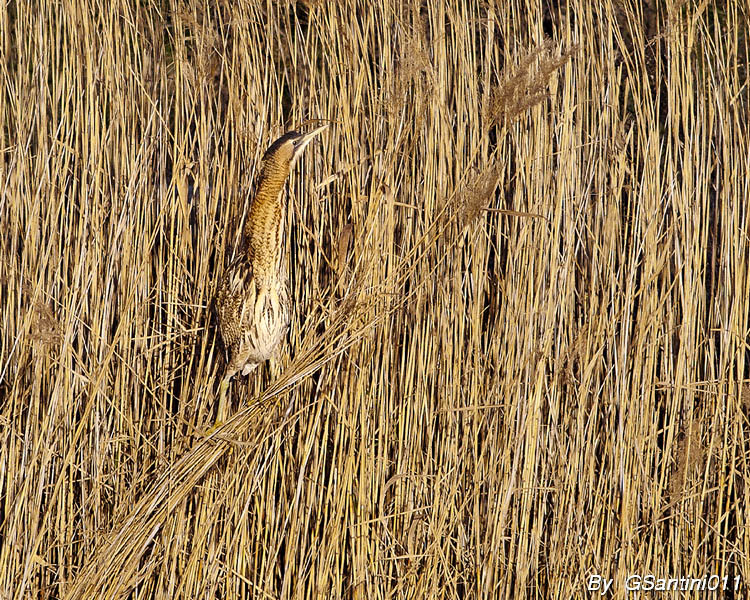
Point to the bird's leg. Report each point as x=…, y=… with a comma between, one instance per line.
x=223, y=393
x=222, y=412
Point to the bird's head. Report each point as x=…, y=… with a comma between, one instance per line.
x=279, y=159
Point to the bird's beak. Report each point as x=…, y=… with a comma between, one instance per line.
x=306, y=138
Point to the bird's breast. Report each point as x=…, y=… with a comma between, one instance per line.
x=269, y=321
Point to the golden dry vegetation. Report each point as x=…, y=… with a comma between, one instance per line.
x=519, y=265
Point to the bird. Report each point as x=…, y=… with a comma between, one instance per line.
x=253, y=304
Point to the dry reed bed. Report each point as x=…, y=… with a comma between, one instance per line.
x=518, y=260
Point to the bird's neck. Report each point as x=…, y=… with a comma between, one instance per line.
x=265, y=223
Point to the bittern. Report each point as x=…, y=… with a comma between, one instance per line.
x=253, y=304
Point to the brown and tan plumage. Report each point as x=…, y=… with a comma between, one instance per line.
x=253, y=304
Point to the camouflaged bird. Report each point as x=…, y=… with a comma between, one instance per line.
x=253, y=304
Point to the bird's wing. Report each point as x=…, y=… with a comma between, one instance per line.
x=235, y=299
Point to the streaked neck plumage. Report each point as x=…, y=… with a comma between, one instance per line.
x=265, y=224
